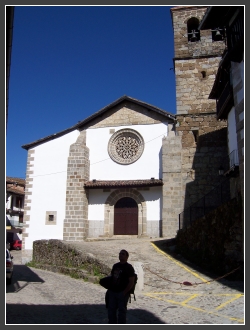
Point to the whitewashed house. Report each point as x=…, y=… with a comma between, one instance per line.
x=15, y=192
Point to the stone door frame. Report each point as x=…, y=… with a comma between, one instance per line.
x=109, y=210
x=126, y=217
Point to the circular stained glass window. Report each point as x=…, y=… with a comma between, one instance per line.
x=125, y=146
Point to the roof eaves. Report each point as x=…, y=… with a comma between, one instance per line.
x=15, y=191
x=100, y=184
x=217, y=16
x=207, y=13
x=50, y=137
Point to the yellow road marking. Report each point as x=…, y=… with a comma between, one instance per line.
x=236, y=296
x=184, y=303
x=180, y=264
x=190, y=298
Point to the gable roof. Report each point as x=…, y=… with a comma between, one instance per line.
x=84, y=122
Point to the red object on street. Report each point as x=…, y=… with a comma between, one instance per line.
x=16, y=245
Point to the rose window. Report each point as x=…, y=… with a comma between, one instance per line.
x=125, y=146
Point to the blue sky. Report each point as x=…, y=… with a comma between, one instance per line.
x=69, y=62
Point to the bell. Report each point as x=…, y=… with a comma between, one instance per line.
x=221, y=170
x=218, y=36
x=193, y=38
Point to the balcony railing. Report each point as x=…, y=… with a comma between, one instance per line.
x=16, y=223
x=18, y=209
x=231, y=162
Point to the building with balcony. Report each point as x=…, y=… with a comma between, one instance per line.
x=228, y=90
x=228, y=87
x=15, y=192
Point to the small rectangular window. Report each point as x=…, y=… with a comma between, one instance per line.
x=51, y=217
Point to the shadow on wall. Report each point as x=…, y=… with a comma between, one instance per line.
x=211, y=150
x=211, y=231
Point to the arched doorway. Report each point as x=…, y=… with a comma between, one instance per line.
x=126, y=217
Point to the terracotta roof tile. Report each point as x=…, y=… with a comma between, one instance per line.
x=13, y=180
x=95, y=184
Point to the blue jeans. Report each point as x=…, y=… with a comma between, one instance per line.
x=117, y=307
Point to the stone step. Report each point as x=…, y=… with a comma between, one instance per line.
x=114, y=237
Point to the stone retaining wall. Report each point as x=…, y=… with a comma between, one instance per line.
x=58, y=256
x=214, y=242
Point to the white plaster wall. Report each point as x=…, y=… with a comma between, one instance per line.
x=8, y=202
x=49, y=188
x=102, y=167
x=97, y=200
x=153, y=201
x=232, y=135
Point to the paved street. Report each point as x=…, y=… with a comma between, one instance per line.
x=173, y=291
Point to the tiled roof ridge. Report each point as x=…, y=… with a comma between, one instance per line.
x=17, y=180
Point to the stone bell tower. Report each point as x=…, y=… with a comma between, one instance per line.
x=201, y=140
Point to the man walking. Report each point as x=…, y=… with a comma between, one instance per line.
x=118, y=294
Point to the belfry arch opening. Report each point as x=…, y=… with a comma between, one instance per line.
x=192, y=29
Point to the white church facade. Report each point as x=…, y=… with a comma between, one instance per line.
x=101, y=177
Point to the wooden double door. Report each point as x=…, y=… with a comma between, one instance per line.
x=126, y=217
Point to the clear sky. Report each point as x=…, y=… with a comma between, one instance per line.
x=69, y=62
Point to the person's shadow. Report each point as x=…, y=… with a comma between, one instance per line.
x=71, y=314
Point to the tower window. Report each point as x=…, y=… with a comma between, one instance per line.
x=196, y=135
x=203, y=74
x=192, y=29
x=218, y=34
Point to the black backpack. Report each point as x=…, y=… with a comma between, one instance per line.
x=105, y=282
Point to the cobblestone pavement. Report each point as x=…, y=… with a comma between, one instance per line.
x=174, y=291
